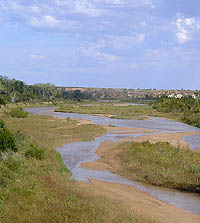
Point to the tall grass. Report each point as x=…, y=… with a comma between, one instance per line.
x=112, y=109
x=38, y=190
x=160, y=164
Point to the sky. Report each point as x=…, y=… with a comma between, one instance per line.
x=102, y=43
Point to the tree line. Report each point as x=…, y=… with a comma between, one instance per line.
x=187, y=109
x=12, y=90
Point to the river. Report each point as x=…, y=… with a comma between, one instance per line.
x=76, y=153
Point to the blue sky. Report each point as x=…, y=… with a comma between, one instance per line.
x=102, y=43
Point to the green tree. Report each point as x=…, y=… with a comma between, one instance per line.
x=7, y=139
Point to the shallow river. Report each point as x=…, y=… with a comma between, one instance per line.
x=74, y=154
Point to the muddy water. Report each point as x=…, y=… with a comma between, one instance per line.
x=74, y=154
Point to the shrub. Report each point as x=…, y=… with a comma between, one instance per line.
x=7, y=139
x=188, y=110
x=13, y=162
x=160, y=164
x=2, y=123
x=35, y=151
x=2, y=101
x=18, y=113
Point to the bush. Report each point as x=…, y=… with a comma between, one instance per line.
x=2, y=101
x=18, y=113
x=13, y=162
x=187, y=109
x=35, y=151
x=160, y=164
x=7, y=139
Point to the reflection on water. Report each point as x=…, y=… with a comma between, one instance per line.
x=74, y=154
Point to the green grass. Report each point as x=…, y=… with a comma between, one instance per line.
x=112, y=109
x=39, y=190
x=104, y=108
x=49, y=131
x=160, y=164
x=115, y=110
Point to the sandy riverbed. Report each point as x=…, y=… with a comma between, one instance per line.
x=134, y=199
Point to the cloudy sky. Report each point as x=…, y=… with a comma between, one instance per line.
x=102, y=43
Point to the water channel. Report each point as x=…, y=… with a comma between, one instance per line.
x=76, y=153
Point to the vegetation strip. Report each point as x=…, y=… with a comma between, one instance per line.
x=181, y=109
x=109, y=109
x=35, y=185
x=186, y=109
x=159, y=164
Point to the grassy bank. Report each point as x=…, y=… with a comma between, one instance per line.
x=159, y=164
x=114, y=110
x=39, y=190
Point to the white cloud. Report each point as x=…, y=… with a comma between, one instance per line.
x=94, y=50
x=52, y=22
x=183, y=35
x=85, y=7
x=190, y=21
x=109, y=57
x=149, y=3
x=57, y=14
x=185, y=28
x=46, y=21
x=130, y=3
x=140, y=37
x=115, y=3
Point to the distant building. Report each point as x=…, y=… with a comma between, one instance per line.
x=194, y=96
x=171, y=96
x=179, y=96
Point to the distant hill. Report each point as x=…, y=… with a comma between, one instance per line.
x=12, y=90
x=129, y=94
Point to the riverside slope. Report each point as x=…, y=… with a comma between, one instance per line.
x=124, y=192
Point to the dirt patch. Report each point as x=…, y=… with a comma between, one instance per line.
x=114, y=129
x=135, y=132
x=103, y=115
x=142, y=203
x=96, y=166
x=99, y=164
x=175, y=139
x=83, y=121
x=135, y=200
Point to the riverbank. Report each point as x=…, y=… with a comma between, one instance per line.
x=158, y=161
x=40, y=190
x=111, y=110
x=133, y=198
x=159, y=164
x=116, y=110
x=142, y=203
x=122, y=198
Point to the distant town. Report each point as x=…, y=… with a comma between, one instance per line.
x=12, y=90
x=129, y=94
